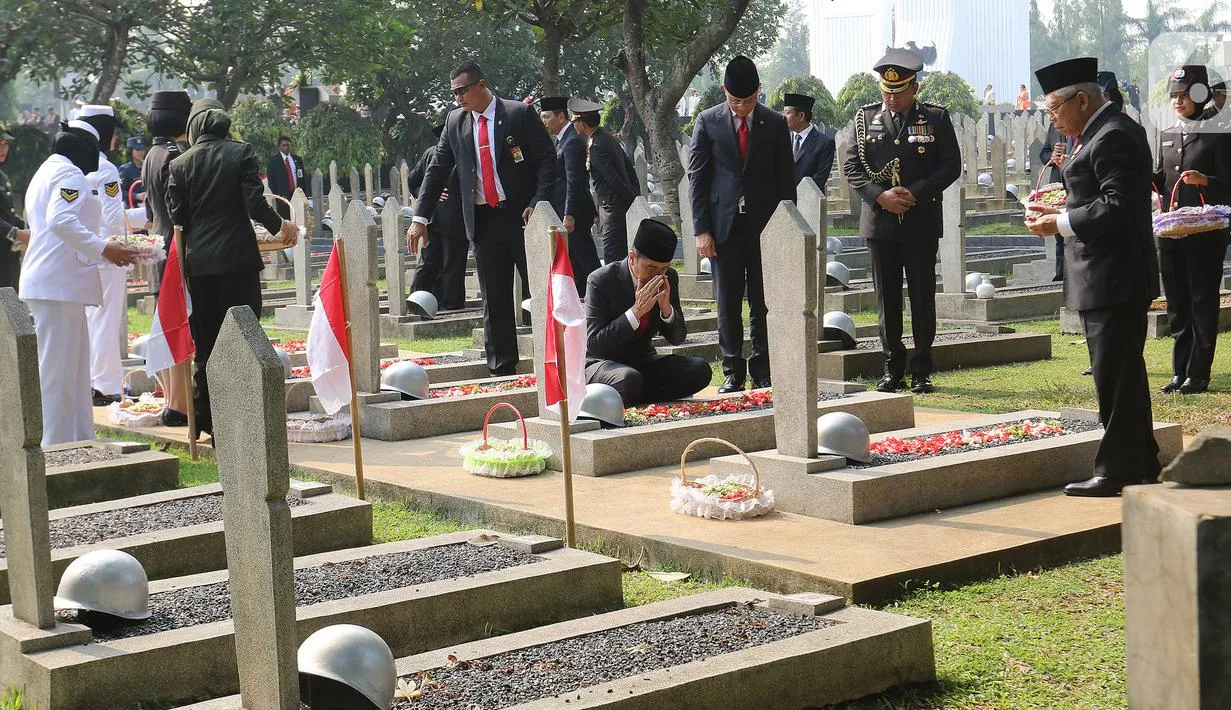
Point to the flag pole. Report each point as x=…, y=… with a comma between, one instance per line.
x=566, y=449
x=188, y=386
x=356, y=435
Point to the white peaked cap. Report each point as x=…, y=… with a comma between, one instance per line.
x=85, y=127
x=95, y=110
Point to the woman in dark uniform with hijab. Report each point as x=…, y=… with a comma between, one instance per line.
x=1191, y=266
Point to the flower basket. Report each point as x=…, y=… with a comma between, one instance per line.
x=317, y=429
x=500, y=458
x=720, y=498
x=149, y=247
x=272, y=242
x=146, y=411
x=1184, y=221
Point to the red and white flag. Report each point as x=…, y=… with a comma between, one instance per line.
x=564, y=307
x=170, y=339
x=327, y=354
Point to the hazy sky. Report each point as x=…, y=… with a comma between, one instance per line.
x=1137, y=8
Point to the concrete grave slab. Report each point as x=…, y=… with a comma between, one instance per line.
x=1008, y=305
x=560, y=584
x=136, y=470
x=838, y=492
x=1157, y=325
x=946, y=355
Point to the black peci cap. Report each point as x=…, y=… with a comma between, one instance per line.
x=553, y=103
x=1081, y=70
x=741, y=78
x=655, y=241
x=799, y=101
x=172, y=101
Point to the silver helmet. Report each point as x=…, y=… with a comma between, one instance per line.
x=106, y=581
x=973, y=279
x=378, y=201
x=424, y=303
x=353, y=656
x=842, y=434
x=985, y=179
x=408, y=212
x=836, y=274
x=1014, y=189
x=1011, y=163
x=985, y=290
x=706, y=267
x=837, y=325
x=406, y=377
x=603, y=403
x=286, y=362
x=833, y=245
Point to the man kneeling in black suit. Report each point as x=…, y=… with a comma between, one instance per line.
x=629, y=302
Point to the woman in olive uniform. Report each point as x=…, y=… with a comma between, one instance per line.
x=1192, y=266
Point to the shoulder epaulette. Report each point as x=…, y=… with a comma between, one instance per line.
x=874, y=104
x=932, y=105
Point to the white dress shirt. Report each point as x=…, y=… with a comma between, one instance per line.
x=1062, y=220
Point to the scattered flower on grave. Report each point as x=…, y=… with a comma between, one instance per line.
x=292, y=347
x=729, y=491
x=133, y=337
x=298, y=373
x=425, y=361
x=969, y=439
x=519, y=383
x=659, y=413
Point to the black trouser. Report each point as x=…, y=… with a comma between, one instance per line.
x=10, y=268
x=581, y=251
x=442, y=267
x=614, y=232
x=1059, y=259
x=1192, y=277
x=212, y=296
x=736, y=266
x=658, y=379
x=499, y=247
x=1115, y=338
x=917, y=257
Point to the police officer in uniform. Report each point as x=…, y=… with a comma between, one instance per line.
x=904, y=155
x=12, y=227
x=611, y=179
x=130, y=172
x=1200, y=161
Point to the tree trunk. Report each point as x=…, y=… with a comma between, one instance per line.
x=553, y=42
x=228, y=90
x=115, y=51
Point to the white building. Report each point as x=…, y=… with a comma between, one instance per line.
x=984, y=41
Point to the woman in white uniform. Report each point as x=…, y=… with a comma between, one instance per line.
x=59, y=278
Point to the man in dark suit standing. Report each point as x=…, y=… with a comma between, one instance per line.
x=1111, y=268
x=285, y=173
x=740, y=168
x=903, y=157
x=442, y=264
x=570, y=196
x=611, y=177
x=630, y=302
x=505, y=164
x=814, y=150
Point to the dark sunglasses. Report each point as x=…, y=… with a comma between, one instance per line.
x=461, y=91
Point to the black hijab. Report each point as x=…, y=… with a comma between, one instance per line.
x=79, y=146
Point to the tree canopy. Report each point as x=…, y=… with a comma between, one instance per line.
x=826, y=109
x=951, y=91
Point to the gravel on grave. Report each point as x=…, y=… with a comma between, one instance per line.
x=820, y=397
x=446, y=359
x=189, y=606
x=123, y=522
x=946, y=337
x=80, y=456
x=1071, y=426
x=463, y=313
x=1015, y=290
x=558, y=669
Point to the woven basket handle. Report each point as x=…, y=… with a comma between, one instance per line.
x=525, y=437
x=1043, y=171
x=280, y=198
x=1176, y=191
x=714, y=440
x=130, y=192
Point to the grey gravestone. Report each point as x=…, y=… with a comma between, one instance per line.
x=359, y=233
x=953, y=245
x=1021, y=141
x=538, y=265
x=404, y=176
x=23, y=481
x=251, y=451
x=811, y=203
x=395, y=186
x=688, y=238
x=640, y=167
x=637, y=211
x=788, y=248
x=318, y=210
x=356, y=185
x=1036, y=147
x=337, y=209
x=300, y=253
x=395, y=263
x=981, y=141
x=1206, y=461
x=333, y=173
x=370, y=188
x=998, y=167
x=970, y=152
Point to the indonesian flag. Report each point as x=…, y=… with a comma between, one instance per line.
x=564, y=307
x=327, y=355
x=170, y=339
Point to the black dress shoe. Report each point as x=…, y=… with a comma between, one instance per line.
x=102, y=400
x=921, y=384
x=761, y=383
x=170, y=417
x=1173, y=385
x=1097, y=487
x=1192, y=386
x=731, y=384
x=1088, y=371
x=889, y=383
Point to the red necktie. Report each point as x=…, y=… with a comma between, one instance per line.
x=490, y=195
x=644, y=322
x=742, y=133
x=290, y=175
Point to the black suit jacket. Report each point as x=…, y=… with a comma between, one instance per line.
x=526, y=182
x=155, y=171
x=275, y=172
x=571, y=191
x=815, y=158
x=611, y=174
x=927, y=168
x=1111, y=260
x=718, y=176
x=609, y=293
x=448, y=216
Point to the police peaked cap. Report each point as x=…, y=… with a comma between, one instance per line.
x=898, y=69
x=576, y=105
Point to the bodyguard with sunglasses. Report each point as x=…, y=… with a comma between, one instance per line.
x=505, y=165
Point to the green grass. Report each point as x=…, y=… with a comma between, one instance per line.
x=12, y=699
x=996, y=228
x=640, y=588
x=401, y=520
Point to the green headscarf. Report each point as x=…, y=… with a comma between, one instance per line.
x=208, y=117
